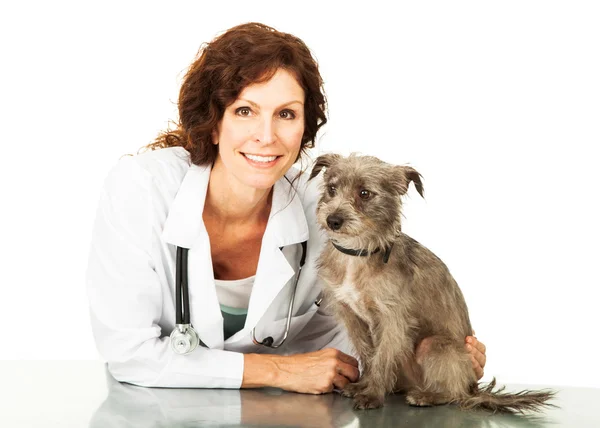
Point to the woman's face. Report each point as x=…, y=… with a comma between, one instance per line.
x=260, y=134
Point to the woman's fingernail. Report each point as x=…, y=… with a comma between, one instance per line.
x=469, y=347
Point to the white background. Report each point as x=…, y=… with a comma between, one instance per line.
x=496, y=104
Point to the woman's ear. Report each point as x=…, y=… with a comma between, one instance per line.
x=323, y=161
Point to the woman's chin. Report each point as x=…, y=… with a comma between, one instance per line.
x=261, y=183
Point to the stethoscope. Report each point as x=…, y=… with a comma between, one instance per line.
x=184, y=338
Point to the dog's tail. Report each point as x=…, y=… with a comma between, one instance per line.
x=484, y=397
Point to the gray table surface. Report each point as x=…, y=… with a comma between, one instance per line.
x=83, y=394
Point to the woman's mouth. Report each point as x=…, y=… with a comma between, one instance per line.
x=261, y=161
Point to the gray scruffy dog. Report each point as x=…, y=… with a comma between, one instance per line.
x=391, y=293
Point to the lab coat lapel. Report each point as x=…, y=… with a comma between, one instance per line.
x=184, y=228
x=286, y=226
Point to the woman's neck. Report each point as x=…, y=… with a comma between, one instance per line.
x=230, y=202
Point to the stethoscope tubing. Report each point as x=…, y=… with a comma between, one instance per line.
x=269, y=339
x=181, y=281
x=182, y=317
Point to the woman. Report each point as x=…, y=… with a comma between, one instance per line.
x=223, y=187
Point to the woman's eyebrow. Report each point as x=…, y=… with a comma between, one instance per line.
x=253, y=104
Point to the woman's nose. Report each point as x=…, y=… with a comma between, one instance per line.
x=265, y=132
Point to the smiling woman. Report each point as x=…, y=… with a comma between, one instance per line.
x=201, y=233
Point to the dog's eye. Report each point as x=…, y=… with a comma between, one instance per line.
x=365, y=194
x=331, y=190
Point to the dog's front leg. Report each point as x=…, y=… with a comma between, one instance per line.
x=358, y=330
x=359, y=333
x=380, y=369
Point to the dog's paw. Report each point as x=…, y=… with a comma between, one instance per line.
x=416, y=398
x=363, y=401
x=351, y=390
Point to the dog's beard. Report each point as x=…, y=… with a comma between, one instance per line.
x=358, y=233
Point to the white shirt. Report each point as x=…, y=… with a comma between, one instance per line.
x=152, y=203
x=235, y=293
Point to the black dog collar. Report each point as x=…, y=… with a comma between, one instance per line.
x=362, y=253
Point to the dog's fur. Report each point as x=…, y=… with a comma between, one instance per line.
x=390, y=307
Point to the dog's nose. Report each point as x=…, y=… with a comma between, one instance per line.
x=334, y=221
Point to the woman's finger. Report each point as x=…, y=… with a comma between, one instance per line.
x=476, y=343
x=348, y=371
x=348, y=359
x=477, y=368
x=340, y=382
x=479, y=345
x=477, y=349
x=478, y=356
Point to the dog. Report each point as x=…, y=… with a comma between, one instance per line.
x=391, y=293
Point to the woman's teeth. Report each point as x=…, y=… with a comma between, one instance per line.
x=264, y=159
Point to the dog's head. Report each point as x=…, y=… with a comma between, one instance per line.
x=360, y=204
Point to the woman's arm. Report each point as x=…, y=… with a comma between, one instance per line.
x=317, y=360
x=313, y=373
x=125, y=289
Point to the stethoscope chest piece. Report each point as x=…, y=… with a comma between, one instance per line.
x=184, y=339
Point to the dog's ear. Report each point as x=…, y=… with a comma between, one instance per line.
x=323, y=161
x=402, y=177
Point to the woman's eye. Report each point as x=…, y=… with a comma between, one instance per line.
x=243, y=111
x=287, y=114
x=365, y=194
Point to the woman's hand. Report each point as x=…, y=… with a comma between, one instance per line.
x=477, y=351
x=312, y=373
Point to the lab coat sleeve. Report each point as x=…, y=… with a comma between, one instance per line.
x=126, y=296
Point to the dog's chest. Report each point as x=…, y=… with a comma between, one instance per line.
x=346, y=291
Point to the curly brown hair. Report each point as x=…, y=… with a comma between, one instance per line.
x=243, y=55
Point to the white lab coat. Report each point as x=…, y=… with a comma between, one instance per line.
x=153, y=202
